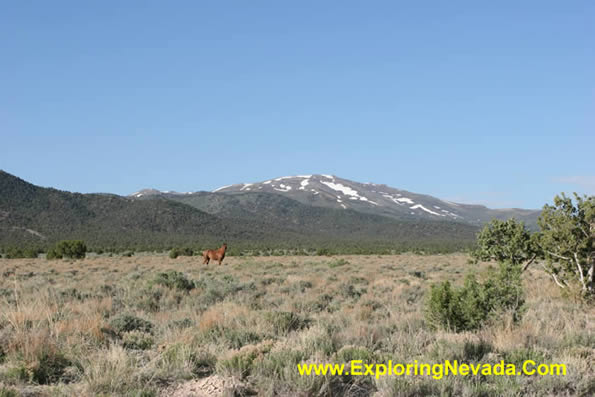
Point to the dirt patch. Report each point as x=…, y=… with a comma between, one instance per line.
x=207, y=387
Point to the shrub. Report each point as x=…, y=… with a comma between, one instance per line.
x=442, y=307
x=350, y=291
x=284, y=322
x=349, y=353
x=504, y=290
x=323, y=252
x=274, y=363
x=75, y=249
x=181, y=324
x=475, y=351
x=177, y=251
x=233, y=338
x=173, y=279
x=469, y=307
x=519, y=356
x=13, y=253
x=419, y=274
x=49, y=368
x=6, y=392
x=338, y=262
x=320, y=303
x=137, y=341
x=53, y=254
x=239, y=364
x=203, y=363
x=30, y=253
x=128, y=323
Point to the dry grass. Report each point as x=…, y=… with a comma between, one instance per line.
x=110, y=326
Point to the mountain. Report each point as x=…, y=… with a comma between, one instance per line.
x=330, y=191
x=150, y=219
x=326, y=223
x=40, y=216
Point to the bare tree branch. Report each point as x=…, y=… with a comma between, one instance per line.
x=554, y=277
x=580, y=271
x=558, y=256
x=530, y=262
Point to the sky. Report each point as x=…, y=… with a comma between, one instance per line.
x=470, y=101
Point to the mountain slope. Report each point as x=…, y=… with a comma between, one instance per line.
x=32, y=214
x=40, y=216
x=276, y=209
x=334, y=192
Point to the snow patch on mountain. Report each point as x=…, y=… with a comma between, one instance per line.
x=284, y=188
x=346, y=190
x=293, y=177
x=416, y=206
x=341, y=188
x=221, y=188
x=362, y=198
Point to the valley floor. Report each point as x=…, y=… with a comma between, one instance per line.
x=148, y=325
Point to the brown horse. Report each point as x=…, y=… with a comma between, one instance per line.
x=216, y=255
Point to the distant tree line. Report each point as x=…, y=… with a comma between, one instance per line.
x=263, y=248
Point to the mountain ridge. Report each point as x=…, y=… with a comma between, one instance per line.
x=39, y=216
x=330, y=191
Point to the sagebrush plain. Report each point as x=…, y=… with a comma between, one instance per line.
x=149, y=325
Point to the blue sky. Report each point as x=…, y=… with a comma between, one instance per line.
x=484, y=102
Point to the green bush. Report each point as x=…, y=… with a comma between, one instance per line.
x=137, y=341
x=519, y=356
x=53, y=254
x=173, y=279
x=323, y=252
x=128, y=323
x=6, y=392
x=181, y=324
x=14, y=253
x=469, y=307
x=50, y=367
x=177, y=251
x=350, y=353
x=203, y=363
x=337, y=263
x=75, y=249
x=284, y=322
x=239, y=365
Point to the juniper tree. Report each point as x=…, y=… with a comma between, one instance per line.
x=507, y=241
x=567, y=234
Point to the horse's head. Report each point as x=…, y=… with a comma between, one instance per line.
x=224, y=246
